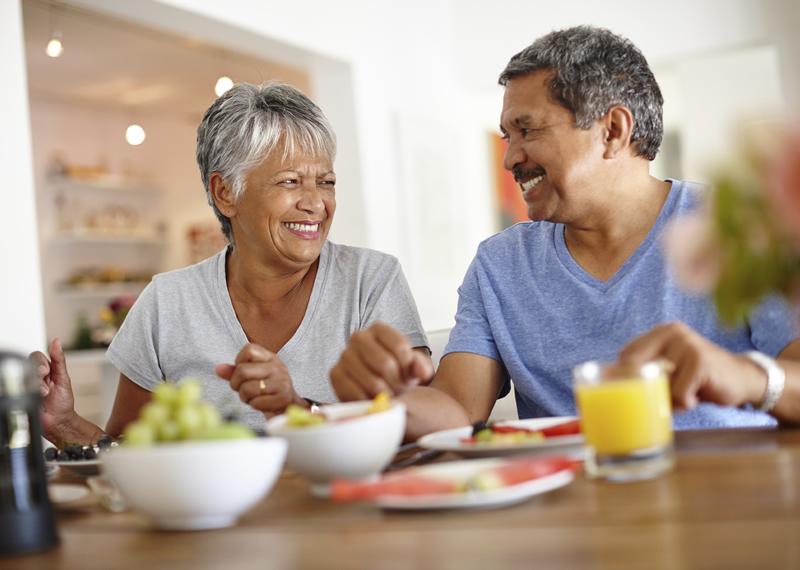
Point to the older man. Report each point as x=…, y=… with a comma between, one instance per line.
x=586, y=279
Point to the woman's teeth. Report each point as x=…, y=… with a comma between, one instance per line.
x=531, y=183
x=302, y=227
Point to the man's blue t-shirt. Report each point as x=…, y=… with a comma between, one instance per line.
x=526, y=303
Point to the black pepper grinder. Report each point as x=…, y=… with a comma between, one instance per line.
x=26, y=515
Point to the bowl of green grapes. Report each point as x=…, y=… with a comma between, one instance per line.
x=185, y=468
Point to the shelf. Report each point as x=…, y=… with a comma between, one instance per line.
x=88, y=356
x=106, y=186
x=105, y=239
x=101, y=291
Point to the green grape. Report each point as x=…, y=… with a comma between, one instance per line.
x=165, y=394
x=154, y=414
x=189, y=392
x=138, y=433
x=209, y=416
x=229, y=430
x=188, y=420
x=169, y=431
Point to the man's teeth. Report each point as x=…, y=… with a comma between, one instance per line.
x=302, y=227
x=531, y=183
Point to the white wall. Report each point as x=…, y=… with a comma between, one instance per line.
x=21, y=317
x=394, y=66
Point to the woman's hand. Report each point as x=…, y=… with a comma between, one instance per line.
x=261, y=379
x=58, y=402
x=704, y=371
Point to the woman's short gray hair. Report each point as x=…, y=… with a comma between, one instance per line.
x=248, y=122
x=595, y=69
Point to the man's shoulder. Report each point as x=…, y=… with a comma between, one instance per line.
x=515, y=239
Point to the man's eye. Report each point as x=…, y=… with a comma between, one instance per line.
x=290, y=181
x=328, y=183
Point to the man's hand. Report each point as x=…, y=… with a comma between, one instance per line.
x=261, y=379
x=58, y=402
x=378, y=359
x=703, y=370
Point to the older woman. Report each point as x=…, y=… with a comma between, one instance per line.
x=262, y=322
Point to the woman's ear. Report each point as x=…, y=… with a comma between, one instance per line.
x=618, y=129
x=222, y=194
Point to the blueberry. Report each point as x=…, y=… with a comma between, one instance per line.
x=74, y=451
x=89, y=452
x=104, y=441
x=62, y=455
x=50, y=453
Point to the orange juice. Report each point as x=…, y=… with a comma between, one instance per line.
x=625, y=415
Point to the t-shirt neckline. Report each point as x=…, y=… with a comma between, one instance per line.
x=579, y=273
x=230, y=318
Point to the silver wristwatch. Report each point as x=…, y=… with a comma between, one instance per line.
x=776, y=379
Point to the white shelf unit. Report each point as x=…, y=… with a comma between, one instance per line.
x=94, y=226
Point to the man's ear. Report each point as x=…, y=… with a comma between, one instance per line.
x=617, y=131
x=222, y=194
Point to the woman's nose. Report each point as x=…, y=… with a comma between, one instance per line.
x=311, y=198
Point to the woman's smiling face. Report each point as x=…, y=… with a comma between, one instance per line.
x=286, y=208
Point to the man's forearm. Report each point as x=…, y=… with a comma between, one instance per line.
x=787, y=409
x=429, y=410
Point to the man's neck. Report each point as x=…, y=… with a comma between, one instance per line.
x=625, y=211
x=617, y=226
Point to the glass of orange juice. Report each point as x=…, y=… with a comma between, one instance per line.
x=626, y=419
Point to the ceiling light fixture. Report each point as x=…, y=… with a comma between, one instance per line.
x=54, y=47
x=135, y=135
x=223, y=84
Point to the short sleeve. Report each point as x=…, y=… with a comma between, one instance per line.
x=391, y=302
x=134, y=348
x=472, y=331
x=773, y=325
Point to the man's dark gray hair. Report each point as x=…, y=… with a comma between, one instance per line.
x=595, y=69
x=248, y=122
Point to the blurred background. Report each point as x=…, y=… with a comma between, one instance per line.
x=103, y=98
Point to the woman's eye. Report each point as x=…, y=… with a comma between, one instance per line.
x=327, y=183
x=290, y=181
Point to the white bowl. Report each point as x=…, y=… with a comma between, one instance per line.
x=356, y=448
x=195, y=485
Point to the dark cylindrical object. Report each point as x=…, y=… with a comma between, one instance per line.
x=26, y=515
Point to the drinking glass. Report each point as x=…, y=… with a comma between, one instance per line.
x=626, y=419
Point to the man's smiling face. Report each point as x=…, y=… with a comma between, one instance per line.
x=551, y=159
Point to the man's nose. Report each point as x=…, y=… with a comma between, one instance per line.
x=514, y=155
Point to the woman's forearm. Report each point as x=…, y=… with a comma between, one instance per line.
x=74, y=431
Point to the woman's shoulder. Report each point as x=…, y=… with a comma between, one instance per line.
x=353, y=257
x=202, y=272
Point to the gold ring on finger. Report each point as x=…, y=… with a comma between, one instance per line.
x=262, y=387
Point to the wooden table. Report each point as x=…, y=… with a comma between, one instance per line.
x=732, y=502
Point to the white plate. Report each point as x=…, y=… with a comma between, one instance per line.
x=84, y=467
x=451, y=440
x=61, y=494
x=502, y=497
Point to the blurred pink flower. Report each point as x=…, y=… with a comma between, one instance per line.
x=692, y=252
x=784, y=186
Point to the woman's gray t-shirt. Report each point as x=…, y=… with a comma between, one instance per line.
x=183, y=324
